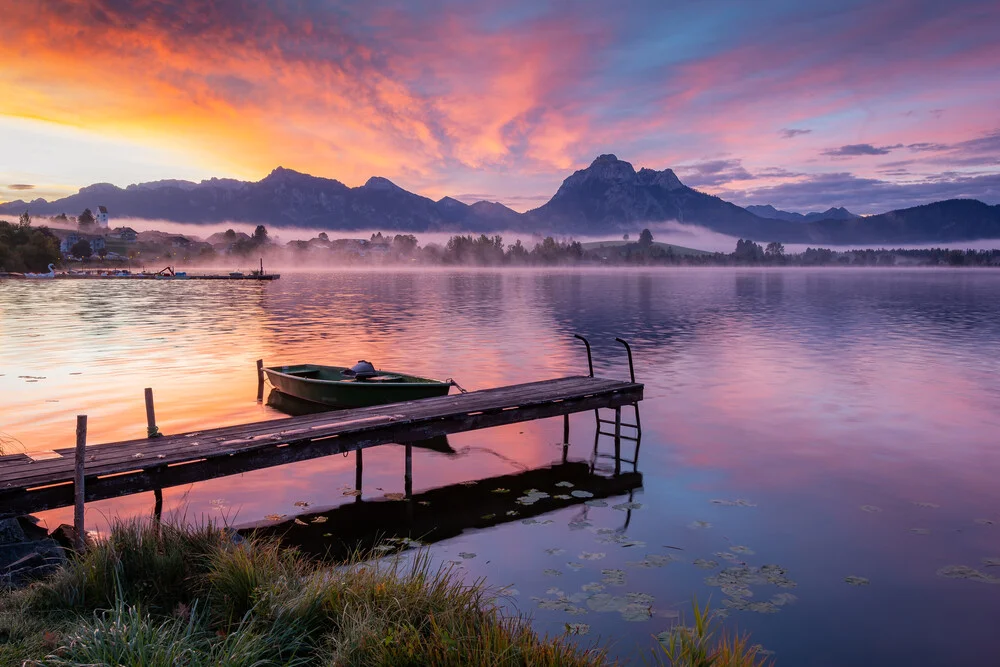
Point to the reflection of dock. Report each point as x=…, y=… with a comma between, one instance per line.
x=447, y=511
x=123, y=468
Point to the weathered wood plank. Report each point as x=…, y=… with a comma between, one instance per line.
x=470, y=402
x=102, y=459
x=99, y=488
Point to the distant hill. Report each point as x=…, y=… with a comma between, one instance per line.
x=940, y=222
x=283, y=198
x=769, y=211
x=676, y=249
x=605, y=199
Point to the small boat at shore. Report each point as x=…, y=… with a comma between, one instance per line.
x=357, y=387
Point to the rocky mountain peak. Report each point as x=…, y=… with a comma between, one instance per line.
x=379, y=183
x=665, y=179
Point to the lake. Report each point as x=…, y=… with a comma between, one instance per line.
x=819, y=447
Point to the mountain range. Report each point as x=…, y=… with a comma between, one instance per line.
x=769, y=211
x=607, y=198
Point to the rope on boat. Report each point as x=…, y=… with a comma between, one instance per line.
x=462, y=389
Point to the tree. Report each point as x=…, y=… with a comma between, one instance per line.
x=86, y=219
x=624, y=237
x=646, y=238
x=229, y=235
x=81, y=249
x=260, y=235
x=404, y=245
x=26, y=248
x=25, y=219
x=102, y=253
x=323, y=236
x=774, y=249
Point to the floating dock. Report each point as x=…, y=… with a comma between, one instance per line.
x=150, y=464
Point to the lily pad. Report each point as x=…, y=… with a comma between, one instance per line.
x=920, y=531
x=984, y=522
x=580, y=493
x=706, y=564
x=575, y=566
x=500, y=490
x=738, y=549
x=613, y=577
x=586, y=555
x=395, y=496
x=781, y=599
x=596, y=503
x=932, y=506
x=352, y=492
x=627, y=506
x=301, y=503
x=637, y=613
x=991, y=562
x=466, y=555
x=699, y=524
x=300, y=522
x=739, y=502
x=577, y=628
x=871, y=509
x=568, y=485
x=552, y=573
x=555, y=551
x=854, y=580
x=274, y=517
x=966, y=572
x=318, y=519
x=592, y=587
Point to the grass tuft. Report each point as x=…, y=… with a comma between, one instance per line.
x=696, y=646
x=164, y=595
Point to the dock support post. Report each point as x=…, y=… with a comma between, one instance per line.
x=157, y=505
x=151, y=430
x=260, y=382
x=358, y=469
x=78, y=490
x=618, y=440
x=408, y=477
x=565, y=442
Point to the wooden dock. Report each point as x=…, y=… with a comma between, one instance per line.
x=135, y=466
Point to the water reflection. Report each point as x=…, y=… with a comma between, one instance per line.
x=807, y=393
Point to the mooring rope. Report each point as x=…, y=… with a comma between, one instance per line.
x=458, y=386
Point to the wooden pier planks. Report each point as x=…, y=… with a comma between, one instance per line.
x=150, y=463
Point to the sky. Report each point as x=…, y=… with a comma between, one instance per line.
x=872, y=105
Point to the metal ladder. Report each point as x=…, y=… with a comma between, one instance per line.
x=617, y=424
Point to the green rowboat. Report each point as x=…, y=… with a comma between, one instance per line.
x=340, y=387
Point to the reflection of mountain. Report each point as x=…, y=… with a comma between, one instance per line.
x=447, y=511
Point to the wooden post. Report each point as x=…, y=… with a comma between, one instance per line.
x=408, y=477
x=81, y=453
x=618, y=440
x=260, y=381
x=157, y=504
x=358, y=471
x=565, y=442
x=151, y=430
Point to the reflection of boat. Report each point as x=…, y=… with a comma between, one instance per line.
x=447, y=511
x=357, y=387
x=296, y=407
x=50, y=274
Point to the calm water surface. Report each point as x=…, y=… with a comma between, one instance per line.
x=830, y=423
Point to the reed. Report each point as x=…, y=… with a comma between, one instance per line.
x=164, y=595
x=698, y=646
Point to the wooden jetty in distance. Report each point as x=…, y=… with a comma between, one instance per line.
x=151, y=464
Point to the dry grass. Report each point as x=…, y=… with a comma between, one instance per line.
x=170, y=596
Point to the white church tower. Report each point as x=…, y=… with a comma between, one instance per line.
x=102, y=217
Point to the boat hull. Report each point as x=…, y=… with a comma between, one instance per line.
x=325, y=385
